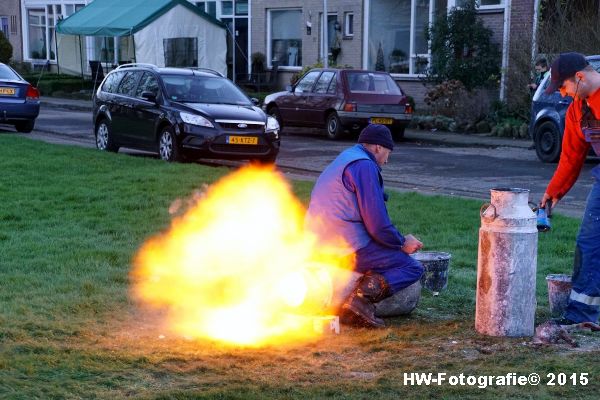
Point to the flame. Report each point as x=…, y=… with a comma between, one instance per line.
x=239, y=267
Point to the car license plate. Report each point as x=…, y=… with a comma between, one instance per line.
x=384, y=121
x=242, y=140
x=7, y=91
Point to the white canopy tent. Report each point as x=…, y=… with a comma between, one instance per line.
x=160, y=32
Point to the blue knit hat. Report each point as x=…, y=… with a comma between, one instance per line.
x=377, y=134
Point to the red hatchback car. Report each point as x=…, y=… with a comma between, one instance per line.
x=342, y=100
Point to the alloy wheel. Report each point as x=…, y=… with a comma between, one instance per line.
x=102, y=136
x=166, y=146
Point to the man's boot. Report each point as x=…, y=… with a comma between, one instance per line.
x=359, y=308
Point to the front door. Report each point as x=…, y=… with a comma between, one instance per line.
x=321, y=98
x=240, y=36
x=294, y=108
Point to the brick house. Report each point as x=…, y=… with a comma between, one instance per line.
x=364, y=33
x=391, y=31
x=10, y=25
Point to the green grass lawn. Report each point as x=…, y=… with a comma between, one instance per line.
x=71, y=220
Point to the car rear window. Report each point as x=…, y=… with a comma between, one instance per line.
x=7, y=73
x=372, y=83
x=112, y=82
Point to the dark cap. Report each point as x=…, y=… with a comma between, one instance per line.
x=377, y=134
x=565, y=67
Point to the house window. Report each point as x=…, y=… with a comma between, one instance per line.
x=52, y=12
x=286, y=37
x=181, y=52
x=483, y=4
x=36, y=24
x=241, y=7
x=227, y=8
x=349, y=24
x=4, y=26
x=209, y=7
x=397, y=39
x=13, y=25
x=40, y=23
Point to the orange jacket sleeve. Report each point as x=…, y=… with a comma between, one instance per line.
x=572, y=156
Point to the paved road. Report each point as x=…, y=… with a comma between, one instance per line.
x=415, y=165
x=434, y=168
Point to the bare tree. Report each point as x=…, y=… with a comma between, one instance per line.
x=564, y=25
x=568, y=25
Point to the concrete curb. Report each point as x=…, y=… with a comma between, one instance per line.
x=66, y=104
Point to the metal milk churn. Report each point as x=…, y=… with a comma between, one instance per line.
x=506, y=265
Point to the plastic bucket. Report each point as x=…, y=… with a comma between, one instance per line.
x=559, y=290
x=436, y=264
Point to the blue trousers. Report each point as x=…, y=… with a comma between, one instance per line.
x=584, y=302
x=398, y=268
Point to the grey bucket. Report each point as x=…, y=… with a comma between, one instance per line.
x=436, y=264
x=559, y=290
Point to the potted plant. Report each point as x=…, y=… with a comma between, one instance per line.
x=258, y=62
x=398, y=61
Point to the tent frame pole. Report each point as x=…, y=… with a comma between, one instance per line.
x=56, y=54
x=81, y=59
x=133, y=41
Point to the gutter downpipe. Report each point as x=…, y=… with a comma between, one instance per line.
x=80, y=57
x=534, y=33
x=325, y=38
x=505, y=49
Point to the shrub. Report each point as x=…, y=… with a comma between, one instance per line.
x=22, y=68
x=47, y=87
x=6, y=49
x=258, y=62
x=462, y=49
x=451, y=99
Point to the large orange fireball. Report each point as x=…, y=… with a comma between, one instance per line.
x=239, y=266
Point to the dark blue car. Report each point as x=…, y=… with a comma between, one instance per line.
x=547, y=122
x=19, y=100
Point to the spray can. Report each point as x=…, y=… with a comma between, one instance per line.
x=543, y=217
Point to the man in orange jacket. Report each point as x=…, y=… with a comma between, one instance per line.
x=573, y=76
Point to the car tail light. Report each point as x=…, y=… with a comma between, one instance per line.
x=408, y=109
x=32, y=93
x=350, y=107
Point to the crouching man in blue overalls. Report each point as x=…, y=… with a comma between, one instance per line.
x=348, y=201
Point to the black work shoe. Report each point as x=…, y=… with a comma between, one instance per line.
x=358, y=311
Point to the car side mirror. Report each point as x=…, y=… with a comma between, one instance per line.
x=289, y=88
x=255, y=101
x=149, y=96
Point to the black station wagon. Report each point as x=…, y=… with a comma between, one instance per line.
x=181, y=113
